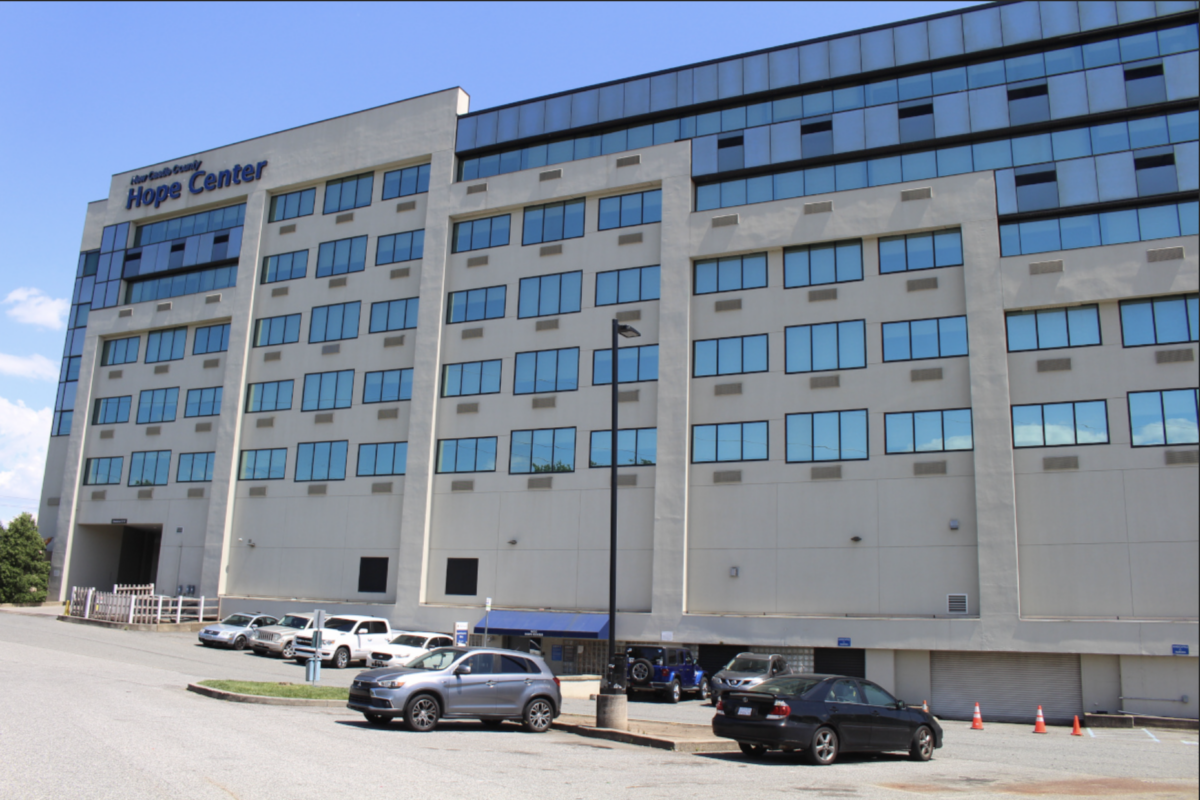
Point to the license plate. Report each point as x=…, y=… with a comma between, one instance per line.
x=379, y=663
x=745, y=711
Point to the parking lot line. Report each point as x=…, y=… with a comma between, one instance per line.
x=1091, y=733
x=1151, y=735
x=1191, y=743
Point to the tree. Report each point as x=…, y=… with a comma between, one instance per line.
x=24, y=570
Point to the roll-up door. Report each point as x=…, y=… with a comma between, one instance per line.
x=840, y=661
x=1008, y=686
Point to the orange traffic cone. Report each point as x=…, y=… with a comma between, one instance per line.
x=1075, y=730
x=977, y=720
x=1040, y=725
x=925, y=706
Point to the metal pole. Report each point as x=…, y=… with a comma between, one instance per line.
x=612, y=494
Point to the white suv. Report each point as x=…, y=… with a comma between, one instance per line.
x=406, y=646
x=344, y=639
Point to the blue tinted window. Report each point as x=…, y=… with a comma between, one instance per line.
x=103, y=471
x=157, y=405
x=166, y=345
x=833, y=345
x=1056, y=424
x=481, y=233
x=925, y=338
x=543, y=450
x=330, y=323
x=269, y=396
x=627, y=285
x=342, y=256
x=394, y=315
x=277, y=330
x=211, y=339
x=731, y=356
x=120, y=351
x=550, y=294
x=1167, y=417
x=285, y=266
x=736, y=441
x=731, y=274
x=321, y=461
x=403, y=182
x=928, y=431
x=467, y=455
x=151, y=468
x=547, y=371
x=397, y=247
x=476, y=304
x=472, y=377
x=349, y=193
x=111, y=410
x=195, y=467
x=1053, y=327
x=293, y=204
x=203, y=402
x=920, y=251
x=827, y=436
x=630, y=209
x=205, y=280
x=1160, y=320
x=553, y=222
x=326, y=390
x=384, y=458
x=634, y=364
x=387, y=386
x=836, y=262
x=636, y=447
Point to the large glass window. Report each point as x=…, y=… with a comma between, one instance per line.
x=330, y=323
x=120, y=351
x=733, y=441
x=832, y=345
x=157, y=405
x=1052, y=328
x=634, y=364
x=321, y=461
x=731, y=356
x=471, y=377
x=394, y=315
x=277, y=330
x=834, y=262
x=636, y=447
x=630, y=209
x=195, y=467
x=203, y=402
x=403, y=182
x=480, y=234
x=627, y=285
x=467, y=455
x=476, y=304
x=1159, y=320
x=546, y=371
x=1092, y=230
x=111, y=410
x=384, y=458
x=398, y=247
x=928, y=431
x=166, y=345
x=349, y=193
x=326, y=390
x=103, y=471
x=269, y=396
x=211, y=339
x=731, y=274
x=920, y=251
x=1055, y=424
x=553, y=221
x=827, y=436
x=181, y=227
x=342, y=256
x=292, y=205
x=205, y=280
x=543, y=450
x=550, y=294
x=1163, y=418
x=387, y=386
x=150, y=468
x=925, y=338
x=285, y=267
x=263, y=465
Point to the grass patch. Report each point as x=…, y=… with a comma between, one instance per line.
x=294, y=690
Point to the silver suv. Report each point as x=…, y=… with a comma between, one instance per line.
x=747, y=670
x=487, y=684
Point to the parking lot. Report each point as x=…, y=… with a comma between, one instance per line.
x=99, y=713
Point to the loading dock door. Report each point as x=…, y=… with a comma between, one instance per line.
x=850, y=661
x=1008, y=686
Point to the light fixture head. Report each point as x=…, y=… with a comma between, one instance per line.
x=733, y=572
x=953, y=524
x=856, y=539
x=628, y=331
x=512, y=541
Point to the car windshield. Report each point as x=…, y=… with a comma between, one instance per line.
x=290, y=621
x=789, y=686
x=237, y=620
x=651, y=654
x=408, y=640
x=437, y=659
x=340, y=624
x=748, y=664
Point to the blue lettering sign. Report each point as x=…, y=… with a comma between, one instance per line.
x=1179, y=649
x=843, y=642
x=198, y=183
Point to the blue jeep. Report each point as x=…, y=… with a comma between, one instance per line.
x=666, y=671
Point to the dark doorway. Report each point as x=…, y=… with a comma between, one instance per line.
x=840, y=661
x=139, y=555
x=714, y=657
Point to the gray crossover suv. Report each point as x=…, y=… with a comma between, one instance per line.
x=481, y=683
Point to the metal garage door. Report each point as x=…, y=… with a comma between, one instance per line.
x=840, y=661
x=1008, y=686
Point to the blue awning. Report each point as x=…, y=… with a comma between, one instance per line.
x=557, y=624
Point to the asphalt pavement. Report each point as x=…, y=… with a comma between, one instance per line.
x=99, y=713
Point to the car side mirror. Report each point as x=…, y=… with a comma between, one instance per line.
x=900, y=704
x=463, y=669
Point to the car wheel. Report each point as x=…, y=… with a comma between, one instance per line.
x=922, y=744
x=378, y=720
x=640, y=671
x=705, y=689
x=421, y=714
x=341, y=658
x=753, y=750
x=674, y=692
x=824, y=749
x=538, y=716
x=289, y=650
x=239, y=643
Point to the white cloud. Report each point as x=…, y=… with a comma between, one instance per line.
x=37, y=367
x=35, y=307
x=24, y=435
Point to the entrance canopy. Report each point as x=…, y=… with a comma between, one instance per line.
x=556, y=624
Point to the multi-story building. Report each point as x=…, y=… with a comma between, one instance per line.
x=914, y=394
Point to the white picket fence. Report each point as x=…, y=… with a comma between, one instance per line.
x=132, y=604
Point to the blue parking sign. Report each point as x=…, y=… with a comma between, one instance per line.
x=843, y=642
x=1179, y=649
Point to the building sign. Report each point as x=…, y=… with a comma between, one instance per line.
x=119, y=521
x=199, y=183
x=460, y=634
x=1179, y=649
x=556, y=652
x=843, y=642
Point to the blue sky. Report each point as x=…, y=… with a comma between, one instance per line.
x=94, y=89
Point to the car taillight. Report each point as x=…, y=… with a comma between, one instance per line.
x=780, y=711
x=557, y=682
x=720, y=705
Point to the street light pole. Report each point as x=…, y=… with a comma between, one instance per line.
x=611, y=687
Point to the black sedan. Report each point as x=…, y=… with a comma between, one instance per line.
x=824, y=715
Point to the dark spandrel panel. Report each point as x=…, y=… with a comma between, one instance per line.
x=663, y=92
x=508, y=120
x=844, y=56
x=558, y=113
x=911, y=43
x=585, y=108
x=705, y=84
x=878, y=50
x=611, y=102
x=684, y=85
x=465, y=139
x=729, y=78
x=1020, y=22
x=784, y=66
x=755, y=74
x=485, y=130
x=637, y=97
x=981, y=30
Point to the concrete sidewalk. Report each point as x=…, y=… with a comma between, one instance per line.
x=677, y=736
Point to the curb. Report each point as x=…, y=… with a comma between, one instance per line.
x=1139, y=721
x=660, y=742
x=165, y=627
x=254, y=699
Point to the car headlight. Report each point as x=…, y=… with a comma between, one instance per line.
x=390, y=684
